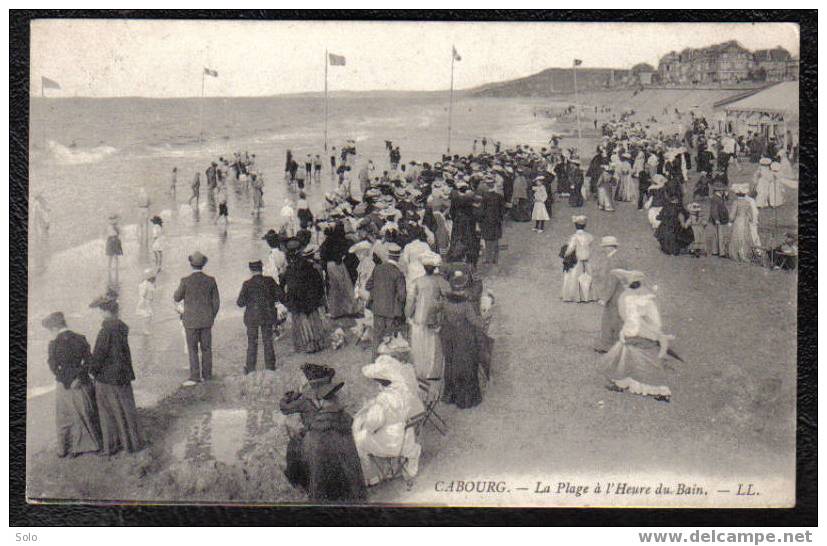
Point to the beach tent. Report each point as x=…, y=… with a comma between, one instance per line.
x=772, y=111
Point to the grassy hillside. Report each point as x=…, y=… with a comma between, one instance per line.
x=551, y=81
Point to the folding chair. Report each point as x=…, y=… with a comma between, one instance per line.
x=431, y=390
x=390, y=468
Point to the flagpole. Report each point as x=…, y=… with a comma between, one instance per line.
x=451, y=99
x=326, y=61
x=577, y=109
x=201, y=108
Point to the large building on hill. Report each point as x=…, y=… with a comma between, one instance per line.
x=726, y=63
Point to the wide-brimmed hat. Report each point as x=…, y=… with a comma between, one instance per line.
x=609, y=240
x=579, y=219
x=430, y=259
x=765, y=161
x=775, y=166
x=54, y=320
x=197, y=259
x=394, y=345
x=658, y=181
x=361, y=246
x=107, y=302
x=628, y=276
x=385, y=368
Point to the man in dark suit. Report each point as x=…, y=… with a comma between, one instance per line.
x=258, y=296
x=199, y=292
x=387, y=297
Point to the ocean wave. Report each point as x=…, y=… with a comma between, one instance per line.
x=66, y=155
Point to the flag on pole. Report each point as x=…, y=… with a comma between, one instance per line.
x=210, y=72
x=456, y=55
x=577, y=62
x=336, y=60
x=49, y=84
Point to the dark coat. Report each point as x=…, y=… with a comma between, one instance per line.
x=303, y=286
x=69, y=356
x=258, y=296
x=491, y=219
x=199, y=292
x=111, y=361
x=387, y=291
x=323, y=458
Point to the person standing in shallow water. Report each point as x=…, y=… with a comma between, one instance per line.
x=114, y=249
x=78, y=430
x=111, y=365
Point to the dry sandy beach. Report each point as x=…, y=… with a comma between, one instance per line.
x=546, y=416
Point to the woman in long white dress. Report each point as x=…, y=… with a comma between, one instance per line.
x=635, y=363
x=379, y=427
x=627, y=186
x=421, y=308
x=577, y=280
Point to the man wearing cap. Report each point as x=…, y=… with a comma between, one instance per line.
x=258, y=297
x=199, y=293
x=609, y=289
x=387, y=296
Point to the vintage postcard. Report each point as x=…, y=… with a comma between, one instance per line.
x=512, y=264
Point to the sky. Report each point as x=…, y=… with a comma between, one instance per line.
x=160, y=58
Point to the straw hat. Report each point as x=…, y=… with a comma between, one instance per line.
x=627, y=276
x=578, y=219
x=609, y=240
x=765, y=161
x=775, y=166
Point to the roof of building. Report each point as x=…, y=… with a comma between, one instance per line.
x=776, y=54
x=781, y=98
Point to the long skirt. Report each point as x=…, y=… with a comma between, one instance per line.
x=78, y=430
x=118, y=418
x=426, y=351
x=519, y=212
x=461, y=377
x=627, y=189
x=741, y=242
x=340, y=295
x=604, y=199
x=652, y=215
x=573, y=289
x=634, y=367
x=308, y=332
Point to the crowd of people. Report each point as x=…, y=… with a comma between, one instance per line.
x=401, y=256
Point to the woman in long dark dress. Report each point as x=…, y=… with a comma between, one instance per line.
x=576, y=179
x=111, y=366
x=304, y=293
x=78, y=430
x=322, y=457
x=674, y=233
x=341, y=301
x=461, y=327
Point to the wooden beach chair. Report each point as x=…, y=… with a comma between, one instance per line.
x=390, y=468
x=430, y=392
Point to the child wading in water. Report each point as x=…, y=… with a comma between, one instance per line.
x=114, y=248
x=157, y=241
x=146, y=295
